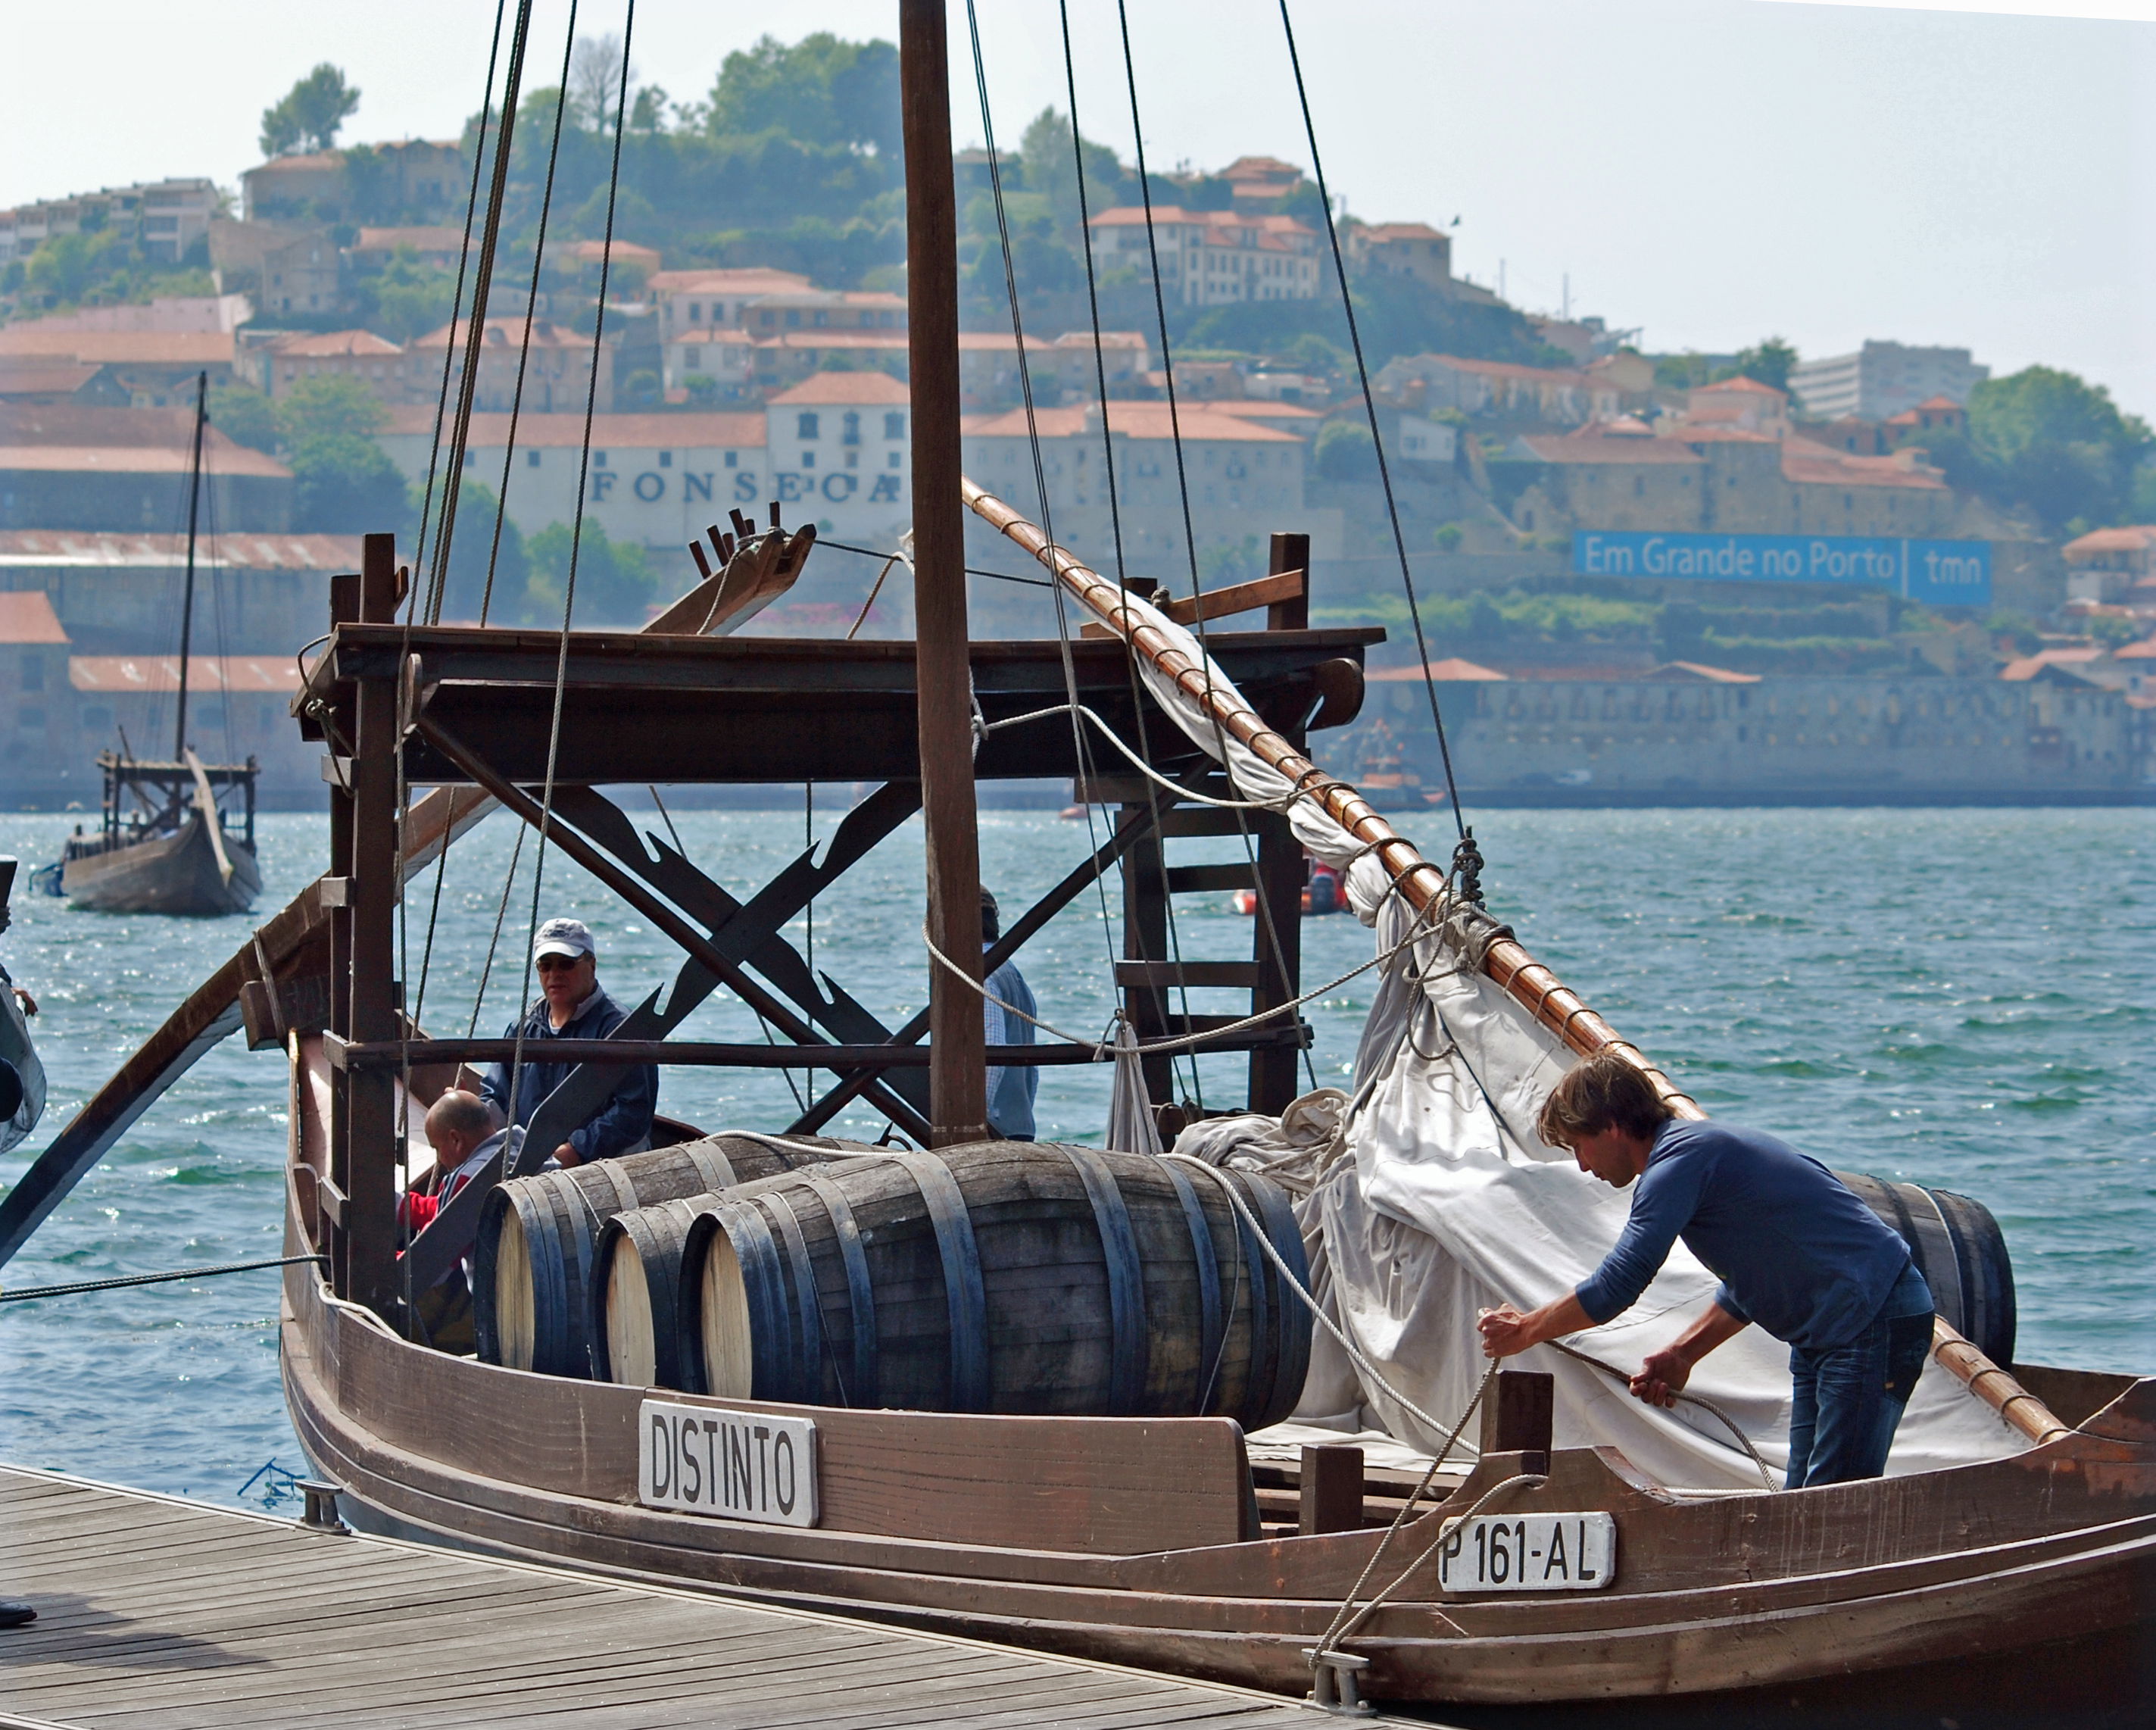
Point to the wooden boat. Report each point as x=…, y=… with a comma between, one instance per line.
x=179, y=858
x=173, y=849
x=2020, y=1590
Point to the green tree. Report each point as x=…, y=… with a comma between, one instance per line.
x=615, y=583
x=244, y=415
x=821, y=89
x=346, y=483
x=309, y=115
x=2050, y=443
x=1770, y=362
x=1346, y=452
x=469, y=594
x=66, y=266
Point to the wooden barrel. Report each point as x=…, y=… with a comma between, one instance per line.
x=531, y=1267
x=1960, y=1249
x=1008, y=1277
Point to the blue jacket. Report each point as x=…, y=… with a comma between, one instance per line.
x=1011, y=1087
x=624, y=1123
x=1794, y=1249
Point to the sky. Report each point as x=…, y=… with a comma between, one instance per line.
x=1707, y=172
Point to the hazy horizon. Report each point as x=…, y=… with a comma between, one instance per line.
x=1712, y=172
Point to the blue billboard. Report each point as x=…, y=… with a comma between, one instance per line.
x=1940, y=573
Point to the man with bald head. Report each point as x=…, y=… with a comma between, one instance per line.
x=465, y=1131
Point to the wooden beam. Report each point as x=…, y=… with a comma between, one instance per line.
x=1281, y=588
x=1290, y=613
x=958, y=1078
x=767, y=1003
x=373, y=1143
x=1330, y=1496
x=350, y=1054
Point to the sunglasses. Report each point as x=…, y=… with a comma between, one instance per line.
x=557, y=963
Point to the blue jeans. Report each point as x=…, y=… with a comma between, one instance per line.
x=1849, y=1398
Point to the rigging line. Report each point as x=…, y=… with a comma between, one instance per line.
x=493, y=942
x=1370, y=407
x=475, y=319
x=28, y=1293
x=576, y=545
x=1115, y=506
x=875, y=588
x=1078, y=739
x=530, y=312
x=412, y=602
x=824, y=546
x=1183, y=492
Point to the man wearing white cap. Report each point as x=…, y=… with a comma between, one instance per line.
x=574, y=1006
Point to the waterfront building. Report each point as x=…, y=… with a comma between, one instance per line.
x=2112, y=567
x=556, y=371
x=280, y=360
x=126, y=470
x=1555, y=396
x=1684, y=733
x=155, y=369
x=288, y=267
x=1882, y=379
x=1413, y=250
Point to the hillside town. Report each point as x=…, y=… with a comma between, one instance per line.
x=1644, y=577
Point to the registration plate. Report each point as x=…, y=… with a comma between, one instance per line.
x=733, y=1466
x=1528, y=1553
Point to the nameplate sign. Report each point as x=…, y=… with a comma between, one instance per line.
x=733, y=1466
x=1530, y=1553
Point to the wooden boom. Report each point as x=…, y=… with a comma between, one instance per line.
x=1552, y=1003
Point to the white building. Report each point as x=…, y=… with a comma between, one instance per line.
x=1210, y=258
x=1882, y=379
x=834, y=450
x=166, y=217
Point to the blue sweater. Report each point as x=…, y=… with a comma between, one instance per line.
x=1794, y=1249
x=623, y=1123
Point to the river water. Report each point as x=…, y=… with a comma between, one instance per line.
x=1956, y=997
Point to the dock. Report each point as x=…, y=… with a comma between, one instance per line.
x=156, y=1611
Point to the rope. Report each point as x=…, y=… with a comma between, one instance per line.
x=576, y=545
x=871, y=552
x=530, y=312
x=1743, y=1441
x=185, y=1273
x=456, y=305
x=1370, y=407
x=475, y=319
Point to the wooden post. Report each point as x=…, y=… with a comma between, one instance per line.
x=370, y=1106
x=1330, y=1497
x=1150, y=1005
x=957, y=1072
x=1519, y=1413
x=1276, y=939
x=1290, y=553
x=344, y=609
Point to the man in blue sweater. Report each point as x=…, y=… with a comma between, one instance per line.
x=1794, y=1249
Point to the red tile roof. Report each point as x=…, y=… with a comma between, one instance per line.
x=1687, y=670
x=1451, y=670
x=30, y=376
x=2145, y=649
x=755, y=280
x=1816, y=464
x=566, y=432
x=845, y=388
x=891, y=341
x=507, y=332
x=1572, y=448
x=27, y=616
x=1131, y=420
x=1750, y=386
x=306, y=344
x=2134, y=537
x=172, y=348
x=1259, y=167
x=136, y=459
x=984, y=341
x=242, y=675
x=52, y=548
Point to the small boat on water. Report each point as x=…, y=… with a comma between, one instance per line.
x=166, y=843
x=178, y=851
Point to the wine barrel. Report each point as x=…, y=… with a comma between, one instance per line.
x=532, y=1265
x=1007, y=1276
x=1960, y=1249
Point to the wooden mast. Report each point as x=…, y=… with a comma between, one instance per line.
x=957, y=1070
x=187, y=599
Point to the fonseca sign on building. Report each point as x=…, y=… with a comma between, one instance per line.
x=1940, y=573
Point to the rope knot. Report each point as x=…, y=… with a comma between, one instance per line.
x=1467, y=868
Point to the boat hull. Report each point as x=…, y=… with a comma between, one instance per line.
x=169, y=873
x=1124, y=1540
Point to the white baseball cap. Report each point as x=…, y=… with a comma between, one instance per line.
x=564, y=936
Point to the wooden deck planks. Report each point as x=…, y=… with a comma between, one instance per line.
x=158, y=1614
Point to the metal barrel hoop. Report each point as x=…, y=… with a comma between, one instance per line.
x=965, y=1298
x=861, y=1294
x=1210, y=1327
x=1130, y=1366
x=807, y=1308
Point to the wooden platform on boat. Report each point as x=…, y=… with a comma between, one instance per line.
x=157, y=1611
